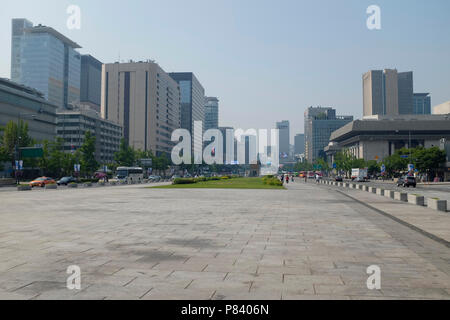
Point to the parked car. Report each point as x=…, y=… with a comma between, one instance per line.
x=153, y=178
x=338, y=179
x=41, y=182
x=65, y=181
x=407, y=181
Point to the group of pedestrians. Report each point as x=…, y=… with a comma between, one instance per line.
x=285, y=178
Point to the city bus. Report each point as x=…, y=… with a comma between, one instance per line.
x=130, y=174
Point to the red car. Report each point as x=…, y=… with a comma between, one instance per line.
x=41, y=182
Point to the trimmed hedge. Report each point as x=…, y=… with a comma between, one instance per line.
x=194, y=180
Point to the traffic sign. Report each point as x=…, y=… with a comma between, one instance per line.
x=146, y=162
x=31, y=152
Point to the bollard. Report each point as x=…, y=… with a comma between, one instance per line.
x=401, y=196
x=389, y=194
x=437, y=204
x=416, y=199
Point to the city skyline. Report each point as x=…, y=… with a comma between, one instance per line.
x=287, y=50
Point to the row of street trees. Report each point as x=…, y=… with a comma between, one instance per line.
x=426, y=161
x=56, y=162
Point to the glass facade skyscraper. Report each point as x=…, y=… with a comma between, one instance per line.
x=44, y=59
x=211, y=113
x=320, y=122
x=284, y=140
x=91, y=82
x=422, y=103
x=192, y=101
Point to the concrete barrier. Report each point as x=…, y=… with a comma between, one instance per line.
x=346, y=185
x=380, y=191
x=416, y=199
x=437, y=204
x=72, y=185
x=7, y=182
x=389, y=194
x=51, y=186
x=372, y=190
x=24, y=188
x=365, y=188
x=360, y=186
x=401, y=196
x=89, y=184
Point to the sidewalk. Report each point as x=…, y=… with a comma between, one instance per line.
x=434, y=222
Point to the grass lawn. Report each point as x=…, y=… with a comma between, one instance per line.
x=236, y=183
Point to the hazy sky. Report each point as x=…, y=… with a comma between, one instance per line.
x=265, y=60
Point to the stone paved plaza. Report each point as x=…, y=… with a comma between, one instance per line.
x=131, y=242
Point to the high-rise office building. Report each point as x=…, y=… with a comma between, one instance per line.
x=44, y=59
x=387, y=92
x=145, y=101
x=211, y=113
x=91, y=82
x=405, y=93
x=422, y=103
x=284, y=139
x=299, y=143
x=192, y=100
x=320, y=122
x=228, y=145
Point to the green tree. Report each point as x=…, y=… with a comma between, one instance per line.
x=373, y=167
x=303, y=166
x=161, y=163
x=15, y=136
x=54, y=161
x=322, y=164
x=395, y=163
x=345, y=162
x=87, y=154
x=125, y=156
